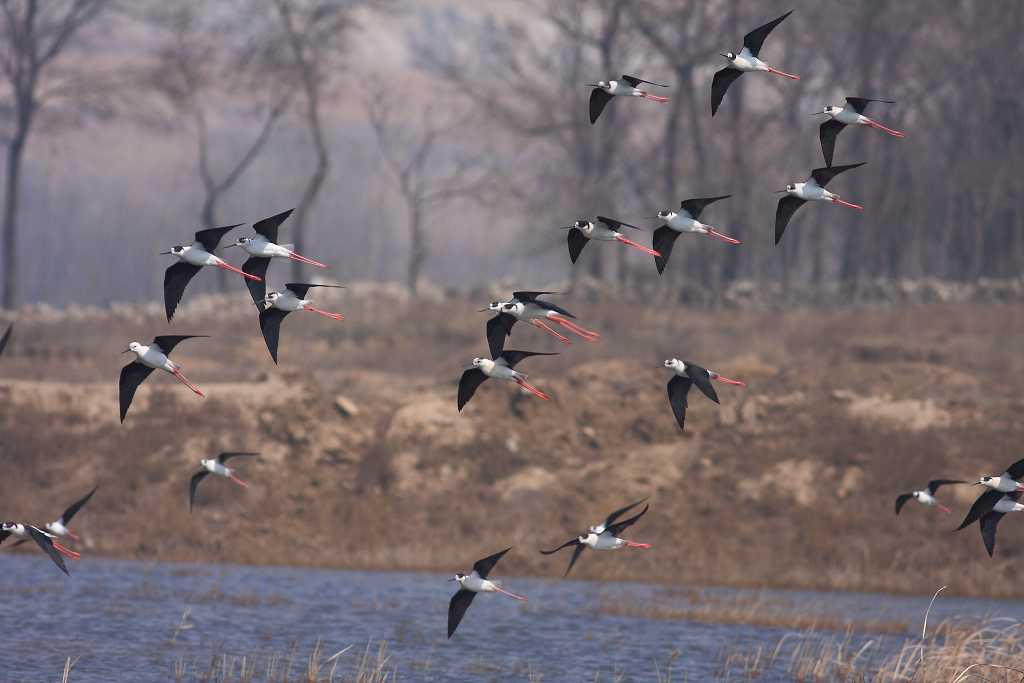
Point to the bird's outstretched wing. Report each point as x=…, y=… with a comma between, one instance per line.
x=859, y=104
x=720, y=83
x=132, y=375
x=211, y=237
x=753, y=40
x=483, y=567
x=457, y=608
x=678, y=388
x=988, y=525
x=499, y=327
x=270, y=326
x=167, y=342
x=701, y=378
x=827, y=133
x=934, y=484
x=901, y=501
x=44, y=542
x=610, y=519
x=567, y=544
x=577, y=240
x=616, y=224
x=268, y=226
x=176, y=279
x=982, y=506
x=619, y=527
x=193, y=485
x=469, y=382
x=663, y=241
x=4, y=339
x=1016, y=470
x=634, y=81
x=783, y=212
x=300, y=288
x=695, y=206
x=822, y=176
x=527, y=297
x=73, y=509
x=511, y=357
x=256, y=265
x=224, y=457
x=598, y=99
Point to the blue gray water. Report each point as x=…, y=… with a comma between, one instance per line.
x=119, y=618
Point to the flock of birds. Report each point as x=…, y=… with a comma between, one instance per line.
x=524, y=306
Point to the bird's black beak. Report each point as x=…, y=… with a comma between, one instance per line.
x=590, y=85
x=778, y=191
x=724, y=55
x=483, y=310
x=163, y=253
x=233, y=244
x=566, y=227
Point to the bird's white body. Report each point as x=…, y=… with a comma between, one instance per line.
x=848, y=116
x=1008, y=505
x=58, y=529
x=287, y=301
x=20, y=531
x=196, y=255
x=677, y=366
x=525, y=311
x=153, y=357
x=261, y=247
x=811, y=192
x=1001, y=483
x=620, y=89
x=682, y=221
x=745, y=61
x=497, y=369
x=473, y=582
x=925, y=498
x=213, y=467
x=599, y=231
x=602, y=540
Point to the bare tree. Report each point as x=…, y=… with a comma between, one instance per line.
x=35, y=37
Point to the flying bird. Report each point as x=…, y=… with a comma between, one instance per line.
x=926, y=496
x=215, y=466
x=502, y=367
x=604, y=91
x=603, y=536
x=148, y=359
x=1009, y=481
x=987, y=510
x=42, y=538
x=60, y=527
x=603, y=230
x=4, y=339
x=811, y=191
x=528, y=307
x=850, y=115
x=686, y=219
x=469, y=585
x=264, y=247
x=746, y=60
x=276, y=305
x=686, y=375
x=190, y=260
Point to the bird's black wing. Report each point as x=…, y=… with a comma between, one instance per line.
x=512, y=357
x=634, y=81
x=934, y=484
x=663, y=241
x=610, y=519
x=471, y=379
x=547, y=305
x=598, y=99
x=176, y=279
x=457, y=608
x=988, y=526
x=577, y=551
x=827, y=133
x=44, y=542
x=167, y=342
x=702, y=378
x=616, y=529
x=4, y=535
x=859, y=104
x=268, y=226
x=720, y=83
x=570, y=542
x=616, y=224
x=822, y=176
x=75, y=507
x=678, y=388
x=211, y=237
x=483, y=567
x=5, y=338
x=256, y=265
x=529, y=297
x=982, y=506
x=270, y=326
x=783, y=212
x=499, y=327
x=300, y=288
x=224, y=457
x=1016, y=470
x=193, y=485
x=901, y=501
x=577, y=240
x=753, y=40
x=695, y=206
x=132, y=375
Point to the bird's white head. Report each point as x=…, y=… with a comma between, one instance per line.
x=458, y=578
x=790, y=189
x=207, y=462
x=731, y=56
x=241, y=241
x=675, y=364
x=990, y=482
x=133, y=347
x=176, y=250
x=603, y=85
x=9, y=526
x=272, y=296
x=582, y=224
x=479, y=362
x=831, y=110
x=667, y=215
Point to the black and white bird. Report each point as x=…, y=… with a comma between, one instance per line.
x=1009, y=481
x=746, y=60
x=528, y=307
x=686, y=219
x=850, y=115
x=148, y=359
x=502, y=367
x=926, y=496
x=43, y=539
x=604, y=536
x=686, y=375
x=215, y=466
x=264, y=247
x=987, y=510
x=276, y=305
x=797, y=194
x=604, y=230
x=4, y=339
x=627, y=86
x=191, y=259
x=60, y=527
x=471, y=584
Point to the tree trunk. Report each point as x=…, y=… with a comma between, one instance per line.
x=417, y=248
x=12, y=186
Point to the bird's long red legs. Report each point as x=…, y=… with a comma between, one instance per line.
x=304, y=259
x=184, y=380
x=247, y=276
x=588, y=335
x=532, y=389
x=326, y=314
x=237, y=480
x=943, y=508
x=890, y=131
x=547, y=328
x=656, y=98
x=791, y=77
x=734, y=382
x=67, y=552
x=725, y=238
x=634, y=544
x=837, y=200
x=509, y=593
x=641, y=247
